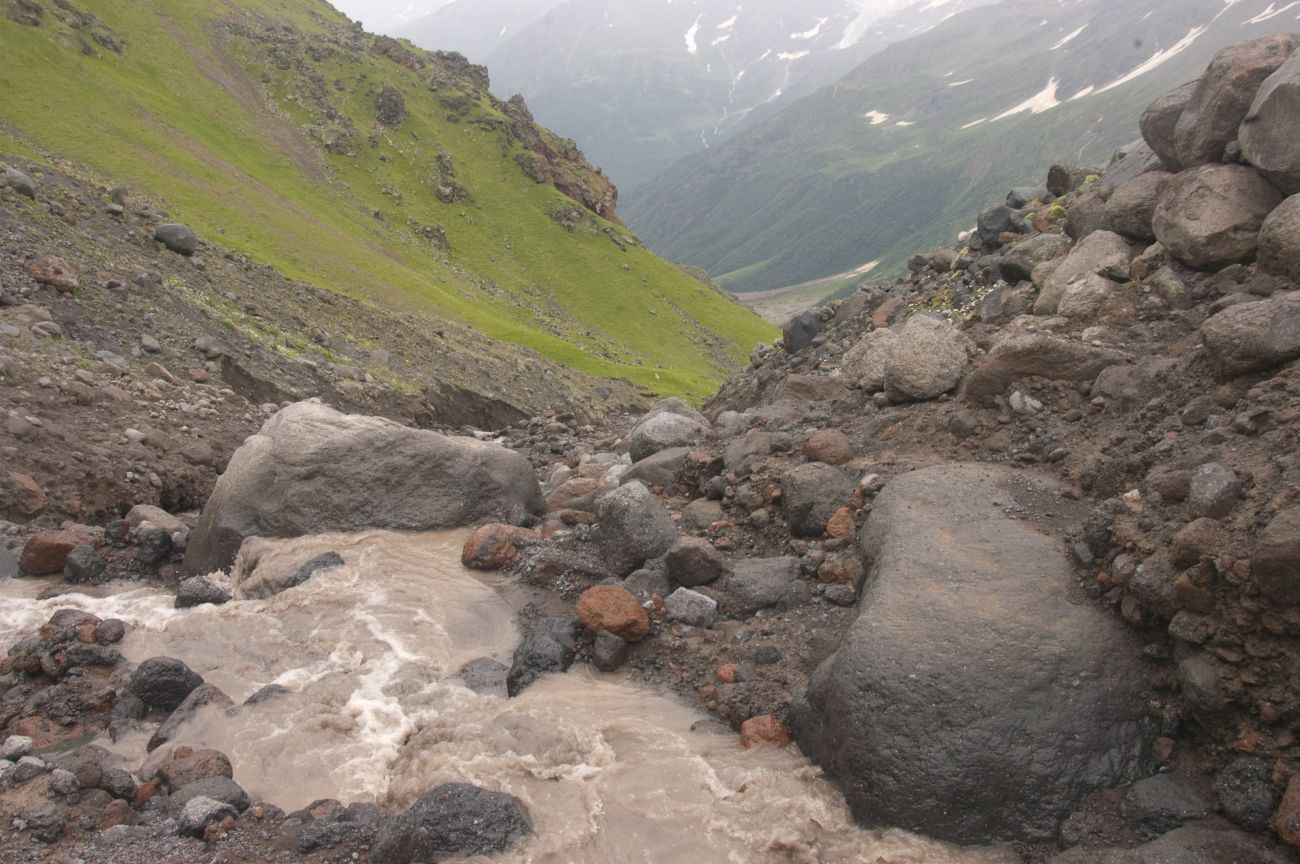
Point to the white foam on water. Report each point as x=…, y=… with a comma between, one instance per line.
x=609, y=771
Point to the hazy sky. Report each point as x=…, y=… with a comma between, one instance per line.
x=381, y=15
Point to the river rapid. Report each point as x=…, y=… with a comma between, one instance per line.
x=373, y=709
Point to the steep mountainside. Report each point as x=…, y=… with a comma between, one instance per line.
x=641, y=84
x=361, y=165
x=901, y=151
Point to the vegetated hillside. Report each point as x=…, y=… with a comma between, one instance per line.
x=899, y=153
x=642, y=83
x=362, y=165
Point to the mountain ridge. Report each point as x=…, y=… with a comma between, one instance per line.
x=367, y=166
x=902, y=148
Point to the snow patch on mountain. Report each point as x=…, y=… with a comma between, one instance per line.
x=1157, y=59
x=1271, y=12
x=1071, y=37
x=813, y=33
x=1043, y=100
x=691, y=45
x=876, y=117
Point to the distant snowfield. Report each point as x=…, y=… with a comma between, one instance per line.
x=1157, y=59
x=811, y=34
x=876, y=117
x=1070, y=38
x=692, y=46
x=1043, y=100
x=1271, y=12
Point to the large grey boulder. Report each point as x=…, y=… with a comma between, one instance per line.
x=1020, y=260
x=863, y=365
x=1101, y=252
x=632, y=527
x=974, y=699
x=1254, y=337
x=19, y=182
x=1131, y=208
x=1210, y=217
x=664, y=431
x=1279, y=240
x=1025, y=354
x=177, y=237
x=1223, y=97
x=1129, y=162
x=1161, y=119
x=312, y=469
x=1270, y=131
x=930, y=358
x=453, y=820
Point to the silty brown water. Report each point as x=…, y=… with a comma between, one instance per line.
x=374, y=711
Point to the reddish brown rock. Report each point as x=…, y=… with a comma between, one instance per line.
x=118, y=812
x=495, y=546
x=763, y=731
x=1199, y=539
x=1287, y=820
x=571, y=490
x=609, y=607
x=830, y=446
x=841, y=525
x=53, y=271
x=726, y=673
x=46, y=552
x=185, y=766
x=26, y=494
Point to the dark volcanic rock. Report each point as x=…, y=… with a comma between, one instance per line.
x=456, y=819
x=163, y=683
x=972, y=700
x=177, y=237
x=810, y=495
x=198, y=590
x=547, y=647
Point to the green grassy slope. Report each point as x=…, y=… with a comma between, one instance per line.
x=220, y=109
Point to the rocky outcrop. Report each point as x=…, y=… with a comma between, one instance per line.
x=1223, y=96
x=1023, y=354
x=312, y=469
x=973, y=700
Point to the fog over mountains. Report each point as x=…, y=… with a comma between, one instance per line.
x=641, y=84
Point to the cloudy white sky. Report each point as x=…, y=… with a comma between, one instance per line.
x=381, y=15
